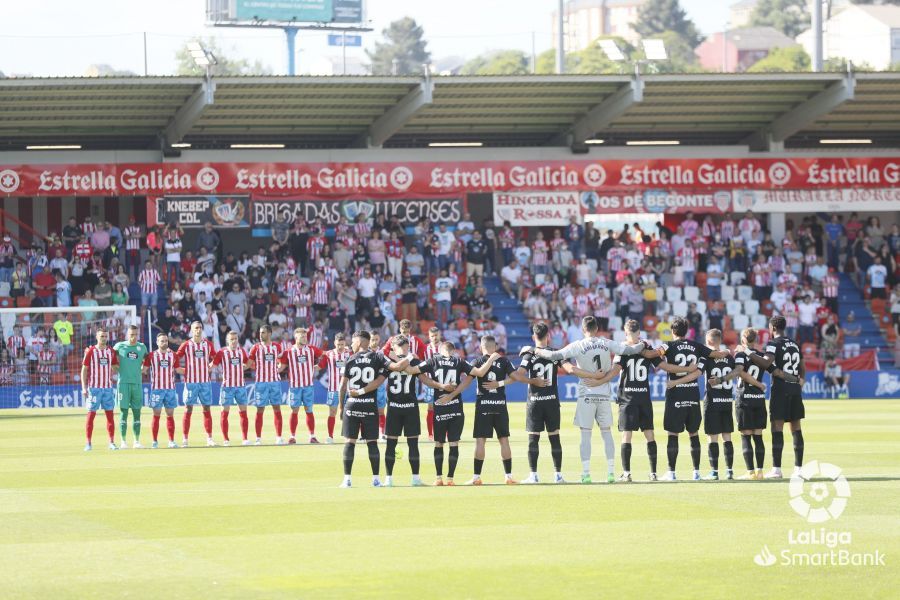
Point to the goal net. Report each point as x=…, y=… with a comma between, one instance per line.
x=42, y=349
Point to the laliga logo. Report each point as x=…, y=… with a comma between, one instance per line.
x=9, y=181
x=401, y=178
x=207, y=179
x=811, y=505
x=779, y=173
x=594, y=175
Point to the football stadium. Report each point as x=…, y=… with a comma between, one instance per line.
x=635, y=297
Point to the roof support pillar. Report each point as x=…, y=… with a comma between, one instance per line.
x=189, y=113
x=385, y=126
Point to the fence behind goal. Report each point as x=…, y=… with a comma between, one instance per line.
x=42, y=350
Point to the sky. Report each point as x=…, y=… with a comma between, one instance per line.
x=65, y=37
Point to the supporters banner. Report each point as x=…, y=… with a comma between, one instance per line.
x=408, y=210
x=655, y=201
x=863, y=385
x=450, y=177
x=194, y=211
x=827, y=200
x=533, y=209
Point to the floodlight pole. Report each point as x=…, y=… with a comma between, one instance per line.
x=561, y=39
x=291, y=35
x=817, y=36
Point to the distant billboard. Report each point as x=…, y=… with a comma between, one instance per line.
x=285, y=11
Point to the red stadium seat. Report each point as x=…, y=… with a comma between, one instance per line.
x=809, y=350
x=762, y=336
x=650, y=323
x=6, y=302
x=730, y=337
x=878, y=307
x=424, y=326
x=767, y=308
x=700, y=280
x=459, y=309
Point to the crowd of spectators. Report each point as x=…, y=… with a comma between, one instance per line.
x=372, y=273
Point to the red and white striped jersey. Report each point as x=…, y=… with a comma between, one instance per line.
x=761, y=274
x=507, y=238
x=333, y=361
x=830, y=286
x=314, y=246
x=14, y=343
x=83, y=252
x=432, y=350
x=88, y=228
x=315, y=336
x=195, y=359
x=266, y=358
x=362, y=230
x=292, y=288
x=149, y=280
x=416, y=347
x=46, y=358
x=232, y=364
x=162, y=369
x=616, y=258
x=301, y=362
x=133, y=237
x=727, y=229
x=100, y=363
x=6, y=374
x=302, y=301
x=582, y=305
x=37, y=344
x=688, y=258
x=331, y=275
x=557, y=244
x=320, y=289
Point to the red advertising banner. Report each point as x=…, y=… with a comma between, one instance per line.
x=423, y=178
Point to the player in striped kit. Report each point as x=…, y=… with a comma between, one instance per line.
x=333, y=361
x=193, y=357
x=233, y=361
x=264, y=357
x=161, y=365
x=300, y=362
x=97, y=368
x=432, y=349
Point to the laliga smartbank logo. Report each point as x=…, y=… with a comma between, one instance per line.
x=819, y=493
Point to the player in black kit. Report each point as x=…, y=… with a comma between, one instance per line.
x=635, y=406
x=784, y=361
x=717, y=403
x=364, y=371
x=449, y=418
x=403, y=411
x=750, y=405
x=682, y=410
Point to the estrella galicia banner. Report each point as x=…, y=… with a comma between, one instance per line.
x=407, y=210
x=194, y=211
x=863, y=385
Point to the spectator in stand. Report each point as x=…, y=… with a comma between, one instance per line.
x=8, y=258
x=875, y=232
x=695, y=320
x=890, y=263
x=59, y=263
x=830, y=334
x=395, y=250
x=100, y=238
x=574, y=235
x=172, y=247
x=689, y=226
x=154, y=245
x=830, y=285
x=64, y=331
x=476, y=255
x=806, y=332
x=133, y=235
x=376, y=249
x=748, y=226
x=893, y=239
x=833, y=232
x=236, y=320
x=713, y=280
x=63, y=290
x=688, y=259
x=44, y=284
x=443, y=287
x=876, y=275
x=895, y=307
x=210, y=239
x=835, y=380
x=367, y=286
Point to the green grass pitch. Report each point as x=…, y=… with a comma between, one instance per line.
x=270, y=522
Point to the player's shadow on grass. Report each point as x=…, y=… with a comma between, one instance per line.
x=48, y=415
x=784, y=480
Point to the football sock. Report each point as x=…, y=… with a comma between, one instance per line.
x=626, y=456
x=123, y=422
x=651, y=453
x=777, y=448
x=452, y=460
x=170, y=427
x=311, y=423
x=695, y=452
x=729, y=455
x=279, y=421
x=259, y=423
x=798, y=448
x=110, y=424
x=136, y=423
x=349, y=450
x=294, y=420
x=760, y=448
x=413, y=444
x=713, y=451
x=585, y=449
x=186, y=421
x=556, y=452
x=429, y=422
x=609, y=447
x=507, y=466
x=245, y=425
x=439, y=460
x=390, y=456
x=479, y=463
x=89, y=425
x=374, y=456
x=223, y=424
x=382, y=419
x=154, y=427
x=207, y=421
x=533, y=451
x=747, y=451
x=672, y=451
x=331, y=426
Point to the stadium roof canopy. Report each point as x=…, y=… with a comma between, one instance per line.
x=763, y=111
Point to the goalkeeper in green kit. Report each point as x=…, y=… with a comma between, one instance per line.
x=129, y=391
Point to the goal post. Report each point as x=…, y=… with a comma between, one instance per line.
x=42, y=349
